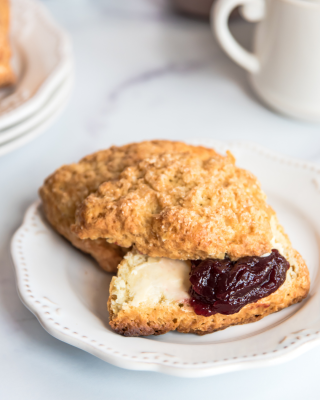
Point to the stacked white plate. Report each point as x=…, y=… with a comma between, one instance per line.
x=42, y=60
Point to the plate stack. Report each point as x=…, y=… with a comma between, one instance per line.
x=42, y=60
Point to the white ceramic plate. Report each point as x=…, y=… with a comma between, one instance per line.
x=38, y=123
x=68, y=293
x=41, y=58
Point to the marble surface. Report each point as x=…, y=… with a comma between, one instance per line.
x=141, y=73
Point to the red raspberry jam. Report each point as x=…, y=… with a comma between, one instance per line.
x=225, y=286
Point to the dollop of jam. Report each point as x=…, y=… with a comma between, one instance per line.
x=225, y=286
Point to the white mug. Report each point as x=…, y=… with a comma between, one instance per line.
x=285, y=65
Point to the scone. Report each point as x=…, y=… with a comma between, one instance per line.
x=7, y=76
x=151, y=296
x=206, y=250
x=64, y=190
x=188, y=205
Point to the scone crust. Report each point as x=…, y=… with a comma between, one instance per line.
x=64, y=190
x=161, y=319
x=185, y=202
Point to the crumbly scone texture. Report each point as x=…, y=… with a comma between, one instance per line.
x=184, y=202
x=64, y=190
x=7, y=76
x=157, y=319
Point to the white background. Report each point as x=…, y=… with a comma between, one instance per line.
x=141, y=73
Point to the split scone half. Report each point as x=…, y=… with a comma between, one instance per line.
x=150, y=296
x=205, y=251
x=7, y=76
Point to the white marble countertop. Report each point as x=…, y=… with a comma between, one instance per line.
x=141, y=73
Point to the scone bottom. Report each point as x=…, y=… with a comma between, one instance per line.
x=152, y=296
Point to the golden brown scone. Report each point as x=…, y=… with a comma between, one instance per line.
x=137, y=310
x=186, y=204
x=60, y=193
x=7, y=76
x=65, y=189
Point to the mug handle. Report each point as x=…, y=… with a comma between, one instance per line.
x=253, y=11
